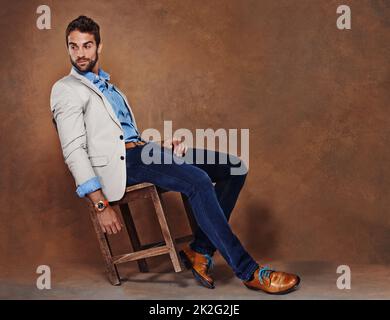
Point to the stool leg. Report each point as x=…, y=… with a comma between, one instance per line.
x=189, y=213
x=165, y=229
x=133, y=235
x=112, y=270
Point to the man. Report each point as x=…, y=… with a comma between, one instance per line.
x=103, y=149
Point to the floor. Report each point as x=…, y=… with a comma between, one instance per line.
x=87, y=281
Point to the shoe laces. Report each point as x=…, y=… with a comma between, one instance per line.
x=264, y=272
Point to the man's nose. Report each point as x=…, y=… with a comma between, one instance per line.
x=80, y=53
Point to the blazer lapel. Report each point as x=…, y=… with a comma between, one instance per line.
x=98, y=92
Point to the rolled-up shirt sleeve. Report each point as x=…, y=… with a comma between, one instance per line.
x=89, y=186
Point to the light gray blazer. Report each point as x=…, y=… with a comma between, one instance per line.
x=89, y=132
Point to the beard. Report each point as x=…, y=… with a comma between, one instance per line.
x=87, y=68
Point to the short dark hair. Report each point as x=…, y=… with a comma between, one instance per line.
x=84, y=24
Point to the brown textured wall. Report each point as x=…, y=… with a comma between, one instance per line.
x=314, y=98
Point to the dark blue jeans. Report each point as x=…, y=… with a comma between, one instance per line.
x=211, y=205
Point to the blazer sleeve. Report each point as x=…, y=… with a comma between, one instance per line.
x=68, y=115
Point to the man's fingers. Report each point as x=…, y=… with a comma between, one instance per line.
x=180, y=150
x=118, y=226
x=177, y=151
x=113, y=228
x=108, y=228
x=102, y=226
x=177, y=148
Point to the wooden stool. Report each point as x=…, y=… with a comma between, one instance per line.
x=168, y=246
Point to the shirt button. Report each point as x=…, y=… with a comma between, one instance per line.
x=121, y=137
x=122, y=158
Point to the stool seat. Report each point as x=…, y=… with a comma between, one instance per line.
x=141, y=251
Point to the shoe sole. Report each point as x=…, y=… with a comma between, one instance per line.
x=197, y=276
x=295, y=287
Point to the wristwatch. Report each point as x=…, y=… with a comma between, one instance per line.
x=101, y=205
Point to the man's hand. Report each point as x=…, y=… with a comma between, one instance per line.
x=109, y=221
x=179, y=147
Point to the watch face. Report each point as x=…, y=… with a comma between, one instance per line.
x=100, y=205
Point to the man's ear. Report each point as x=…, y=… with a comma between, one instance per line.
x=100, y=47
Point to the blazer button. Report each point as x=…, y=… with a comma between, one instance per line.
x=122, y=158
x=121, y=137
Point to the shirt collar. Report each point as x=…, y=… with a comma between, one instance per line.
x=98, y=80
x=93, y=77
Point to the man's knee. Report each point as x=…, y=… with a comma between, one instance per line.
x=201, y=180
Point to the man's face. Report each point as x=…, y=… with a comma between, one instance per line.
x=82, y=50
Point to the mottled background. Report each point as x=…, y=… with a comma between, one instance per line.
x=315, y=100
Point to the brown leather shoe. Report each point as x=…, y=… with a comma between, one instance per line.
x=274, y=282
x=200, y=264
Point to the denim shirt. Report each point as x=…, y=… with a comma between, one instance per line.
x=120, y=109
